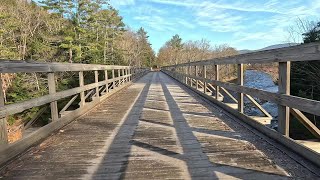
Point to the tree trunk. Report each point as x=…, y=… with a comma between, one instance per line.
x=70, y=55
x=105, y=46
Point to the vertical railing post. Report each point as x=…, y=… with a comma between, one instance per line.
x=196, y=75
x=96, y=80
x=52, y=90
x=240, y=83
x=216, y=67
x=284, y=88
x=3, y=120
x=81, y=84
x=189, y=73
x=129, y=73
x=119, y=75
x=205, y=76
x=186, y=74
x=123, y=78
x=113, y=81
x=106, y=79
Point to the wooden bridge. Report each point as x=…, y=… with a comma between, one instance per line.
x=176, y=124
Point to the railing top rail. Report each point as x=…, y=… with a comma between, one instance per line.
x=304, y=52
x=23, y=66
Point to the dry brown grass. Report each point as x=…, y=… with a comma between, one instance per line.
x=15, y=131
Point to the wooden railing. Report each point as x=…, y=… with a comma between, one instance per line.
x=188, y=74
x=115, y=78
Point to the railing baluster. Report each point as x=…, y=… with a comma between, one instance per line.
x=122, y=73
x=216, y=67
x=205, y=76
x=3, y=120
x=113, y=81
x=189, y=73
x=284, y=88
x=127, y=79
x=96, y=80
x=196, y=75
x=124, y=76
x=240, y=83
x=81, y=84
x=52, y=90
x=119, y=74
x=127, y=73
x=186, y=75
x=106, y=79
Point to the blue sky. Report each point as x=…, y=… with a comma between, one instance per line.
x=242, y=24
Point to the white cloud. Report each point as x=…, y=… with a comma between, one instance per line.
x=246, y=21
x=118, y=3
x=186, y=24
x=186, y=3
x=156, y=22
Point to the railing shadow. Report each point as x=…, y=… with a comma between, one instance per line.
x=114, y=164
x=115, y=161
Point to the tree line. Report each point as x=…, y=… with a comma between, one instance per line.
x=175, y=51
x=73, y=31
x=305, y=78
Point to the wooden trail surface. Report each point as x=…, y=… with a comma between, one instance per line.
x=156, y=129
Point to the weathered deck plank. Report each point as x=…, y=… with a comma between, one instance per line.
x=155, y=129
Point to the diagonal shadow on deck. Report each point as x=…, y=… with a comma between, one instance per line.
x=114, y=163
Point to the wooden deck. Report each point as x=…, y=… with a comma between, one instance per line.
x=156, y=129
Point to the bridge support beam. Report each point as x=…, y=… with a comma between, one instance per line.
x=240, y=83
x=284, y=88
x=3, y=120
x=52, y=90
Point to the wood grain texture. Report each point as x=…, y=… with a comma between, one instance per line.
x=304, y=151
x=18, y=147
x=21, y=106
x=306, y=122
x=304, y=52
x=155, y=129
x=96, y=80
x=3, y=121
x=240, y=74
x=81, y=84
x=303, y=104
x=217, y=78
x=27, y=67
x=204, y=76
x=284, y=88
x=52, y=91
